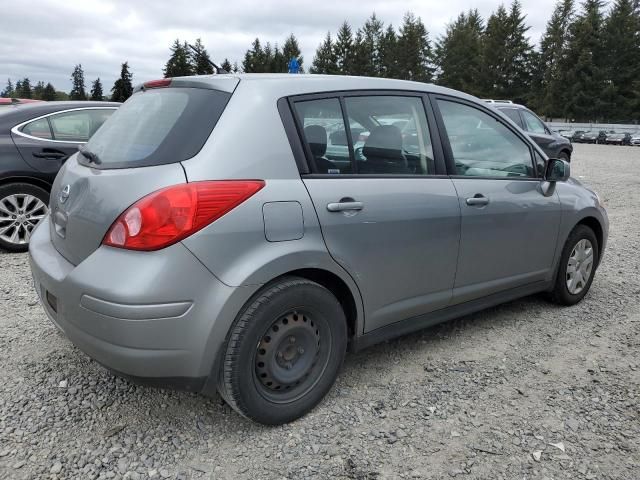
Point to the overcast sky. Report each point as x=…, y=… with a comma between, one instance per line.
x=44, y=39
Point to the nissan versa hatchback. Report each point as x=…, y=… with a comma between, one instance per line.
x=208, y=238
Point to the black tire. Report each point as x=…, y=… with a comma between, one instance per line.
x=19, y=189
x=564, y=156
x=560, y=293
x=261, y=377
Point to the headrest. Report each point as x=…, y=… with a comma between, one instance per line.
x=316, y=136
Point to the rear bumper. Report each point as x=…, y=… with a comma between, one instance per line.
x=160, y=316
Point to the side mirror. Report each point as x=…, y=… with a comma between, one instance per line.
x=557, y=170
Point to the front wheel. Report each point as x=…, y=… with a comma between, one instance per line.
x=283, y=352
x=577, y=266
x=22, y=206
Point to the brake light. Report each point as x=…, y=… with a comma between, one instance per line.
x=163, y=82
x=171, y=214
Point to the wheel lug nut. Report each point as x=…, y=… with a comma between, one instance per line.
x=300, y=350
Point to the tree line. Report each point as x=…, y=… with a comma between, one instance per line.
x=585, y=68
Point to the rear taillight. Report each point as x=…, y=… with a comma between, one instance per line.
x=167, y=216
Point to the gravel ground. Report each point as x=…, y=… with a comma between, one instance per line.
x=526, y=390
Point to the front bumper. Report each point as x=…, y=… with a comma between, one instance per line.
x=155, y=315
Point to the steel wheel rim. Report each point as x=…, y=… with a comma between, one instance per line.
x=579, y=266
x=282, y=373
x=19, y=215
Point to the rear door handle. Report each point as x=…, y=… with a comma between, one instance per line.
x=345, y=205
x=478, y=200
x=51, y=154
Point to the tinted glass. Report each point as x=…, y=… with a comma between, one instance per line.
x=79, y=125
x=396, y=138
x=38, y=128
x=513, y=114
x=158, y=126
x=325, y=134
x=533, y=123
x=482, y=146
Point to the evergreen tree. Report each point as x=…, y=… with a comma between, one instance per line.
x=179, y=63
x=344, y=49
x=368, y=47
x=550, y=87
x=18, y=90
x=267, y=59
x=389, y=54
x=201, y=62
x=291, y=49
x=458, y=54
x=38, y=90
x=521, y=56
x=122, y=88
x=226, y=65
x=49, y=93
x=414, y=53
x=96, y=90
x=584, y=64
x=236, y=69
x=325, y=60
x=621, y=38
x=254, y=58
x=77, y=80
x=278, y=62
x=25, y=89
x=8, y=92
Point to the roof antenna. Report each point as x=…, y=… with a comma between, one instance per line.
x=218, y=69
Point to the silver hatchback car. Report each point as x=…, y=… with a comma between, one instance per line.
x=206, y=238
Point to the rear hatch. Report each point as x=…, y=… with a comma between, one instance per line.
x=137, y=151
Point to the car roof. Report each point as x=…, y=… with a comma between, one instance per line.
x=13, y=115
x=279, y=85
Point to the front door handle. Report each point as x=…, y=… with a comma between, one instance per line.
x=345, y=205
x=478, y=200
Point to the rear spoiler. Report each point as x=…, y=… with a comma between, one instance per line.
x=223, y=83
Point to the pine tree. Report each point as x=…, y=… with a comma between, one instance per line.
x=344, y=49
x=368, y=47
x=254, y=58
x=96, y=90
x=584, y=64
x=49, y=93
x=179, y=63
x=38, y=90
x=226, y=65
x=325, y=60
x=78, y=89
x=122, y=88
x=389, y=54
x=25, y=89
x=17, y=92
x=495, y=66
x=278, y=62
x=291, y=49
x=551, y=85
x=458, y=54
x=267, y=59
x=236, y=69
x=201, y=62
x=521, y=56
x=414, y=53
x=8, y=92
x=621, y=38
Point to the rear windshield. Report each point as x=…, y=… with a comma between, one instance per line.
x=156, y=127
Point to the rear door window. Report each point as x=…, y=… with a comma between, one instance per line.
x=38, y=128
x=513, y=114
x=533, y=124
x=158, y=126
x=79, y=125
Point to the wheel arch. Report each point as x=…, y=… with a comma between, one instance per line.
x=594, y=224
x=36, y=182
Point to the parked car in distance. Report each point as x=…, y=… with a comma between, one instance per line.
x=7, y=102
x=594, y=136
x=577, y=136
x=35, y=140
x=172, y=255
x=618, y=139
x=552, y=143
x=635, y=139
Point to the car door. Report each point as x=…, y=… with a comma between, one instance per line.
x=538, y=132
x=510, y=216
x=391, y=217
x=46, y=142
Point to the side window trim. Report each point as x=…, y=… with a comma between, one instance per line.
x=298, y=144
x=17, y=128
x=450, y=161
x=347, y=129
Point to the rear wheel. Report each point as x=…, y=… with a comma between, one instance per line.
x=284, y=352
x=22, y=206
x=577, y=266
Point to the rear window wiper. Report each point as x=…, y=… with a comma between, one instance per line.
x=89, y=155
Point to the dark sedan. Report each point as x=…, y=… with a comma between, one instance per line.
x=618, y=139
x=35, y=140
